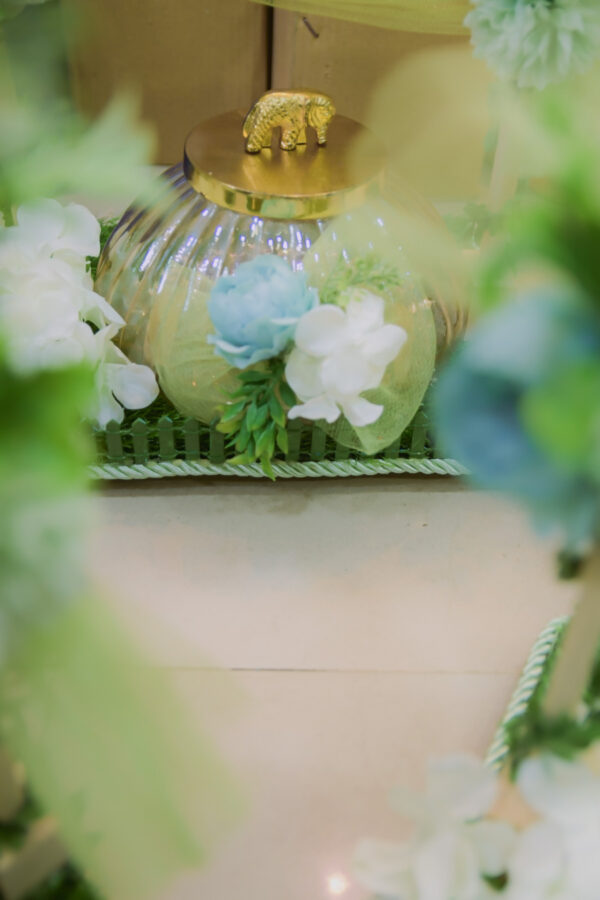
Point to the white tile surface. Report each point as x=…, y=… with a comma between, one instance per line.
x=384, y=574
x=370, y=624
x=319, y=753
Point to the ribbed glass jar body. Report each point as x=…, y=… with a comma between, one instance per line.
x=164, y=258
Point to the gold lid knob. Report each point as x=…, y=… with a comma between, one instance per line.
x=310, y=171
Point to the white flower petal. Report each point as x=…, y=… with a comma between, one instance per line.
x=106, y=407
x=303, y=374
x=71, y=230
x=132, y=384
x=383, y=868
x=493, y=843
x=345, y=374
x=462, y=785
x=538, y=859
x=40, y=222
x=383, y=345
x=583, y=860
x=321, y=330
x=360, y=412
x=446, y=867
x=364, y=310
x=564, y=791
x=317, y=408
x=97, y=310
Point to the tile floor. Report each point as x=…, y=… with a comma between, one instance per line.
x=366, y=624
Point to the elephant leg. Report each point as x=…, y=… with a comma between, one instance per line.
x=293, y=132
x=260, y=136
x=322, y=134
x=289, y=137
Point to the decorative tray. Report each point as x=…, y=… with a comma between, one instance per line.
x=165, y=444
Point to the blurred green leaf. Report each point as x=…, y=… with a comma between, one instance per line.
x=563, y=414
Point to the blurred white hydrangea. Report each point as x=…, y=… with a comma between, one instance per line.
x=338, y=355
x=451, y=848
x=558, y=858
x=457, y=853
x=50, y=315
x=534, y=43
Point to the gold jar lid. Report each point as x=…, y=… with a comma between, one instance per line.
x=243, y=162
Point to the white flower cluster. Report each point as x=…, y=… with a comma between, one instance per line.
x=50, y=315
x=456, y=853
x=534, y=43
x=340, y=353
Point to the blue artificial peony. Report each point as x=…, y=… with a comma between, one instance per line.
x=255, y=311
x=478, y=407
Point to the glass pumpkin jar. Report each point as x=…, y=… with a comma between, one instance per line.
x=292, y=179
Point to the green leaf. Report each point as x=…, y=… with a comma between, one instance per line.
x=282, y=440
x=244, y=390
x=276, y=410
x=228, y=427
x=242, y=459
x=267, y=468
x=251, y=414
x=233, y=411
x=243, y=438
x=287, y=394
x=260, y=418
x=563, y=414
x=251, y=376
x=265, y=442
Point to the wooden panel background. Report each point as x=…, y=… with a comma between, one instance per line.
x=187, y=59
x=349, y=61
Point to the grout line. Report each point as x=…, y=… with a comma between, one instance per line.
x=297, y=671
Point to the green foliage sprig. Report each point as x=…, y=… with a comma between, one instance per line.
x=107, y=227
x=562, y=736
x=470, y=225
x=368, y=271
x=255, y=418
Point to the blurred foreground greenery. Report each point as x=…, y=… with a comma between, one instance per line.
x=109, y=746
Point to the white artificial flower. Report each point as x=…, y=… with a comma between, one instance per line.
x=558, y=858
x=48, y=228
x=119, y=383
x=48, y=305
x=60, y=239
x=40, y=316
x=340, y=353
x=534, y=43
x=451, y=849
x=44, y=308
x=537, y=866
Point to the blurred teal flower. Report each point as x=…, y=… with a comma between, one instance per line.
x=255, y=311
x=508, y=408
x=534, y=43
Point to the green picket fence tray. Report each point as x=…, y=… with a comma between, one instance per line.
x=164, y=444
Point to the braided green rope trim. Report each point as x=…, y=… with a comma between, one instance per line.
x=342, y=468
x=525, y=689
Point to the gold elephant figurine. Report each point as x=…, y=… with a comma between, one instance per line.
x=293, y=111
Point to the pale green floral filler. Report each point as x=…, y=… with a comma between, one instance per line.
x=534, y=43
